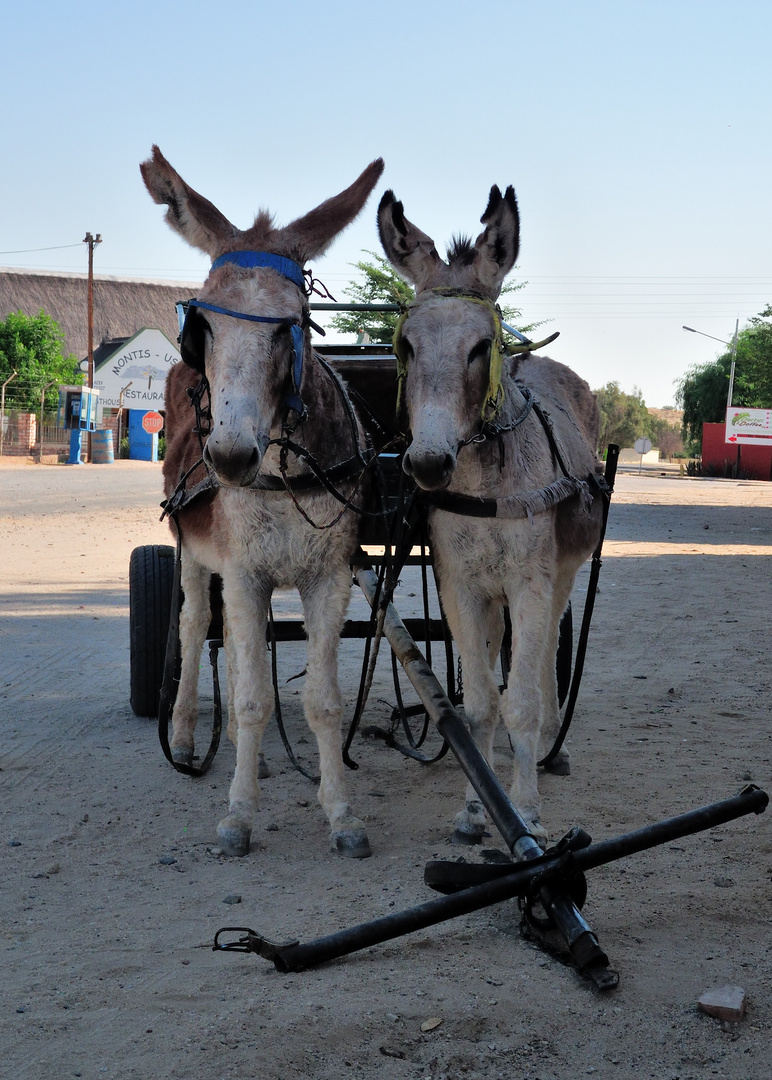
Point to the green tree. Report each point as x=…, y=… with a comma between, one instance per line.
x=702, y=395
x=623, y=417
x=381, y=284
x=703, y=390
x=33, y=346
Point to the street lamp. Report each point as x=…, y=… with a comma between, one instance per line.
x=733, y=344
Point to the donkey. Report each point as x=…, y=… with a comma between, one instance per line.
x=267, y=523
x=515, y=438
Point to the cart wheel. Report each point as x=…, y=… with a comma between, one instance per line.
x=151, y=576
x=563, y=656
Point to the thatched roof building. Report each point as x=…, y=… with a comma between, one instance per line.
x=122, y=306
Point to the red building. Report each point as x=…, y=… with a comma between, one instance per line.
x=721, y=458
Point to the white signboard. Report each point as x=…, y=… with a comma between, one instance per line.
x=748, y=427
x=143, y=361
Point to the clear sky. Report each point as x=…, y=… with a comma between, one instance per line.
x=635, y=132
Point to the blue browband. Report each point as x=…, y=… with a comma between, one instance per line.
x=256, y=259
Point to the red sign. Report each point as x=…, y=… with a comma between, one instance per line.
x=152, y=422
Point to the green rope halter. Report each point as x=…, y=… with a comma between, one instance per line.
x=494, y=397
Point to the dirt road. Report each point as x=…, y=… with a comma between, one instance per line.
x=111, y=892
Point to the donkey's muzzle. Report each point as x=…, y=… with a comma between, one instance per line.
x=236, y=465
x=430, y=471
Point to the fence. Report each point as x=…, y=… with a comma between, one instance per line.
x=20, y=421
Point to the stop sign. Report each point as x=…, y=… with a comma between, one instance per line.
x=152, y=422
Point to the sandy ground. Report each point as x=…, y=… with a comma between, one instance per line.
x=111, y=892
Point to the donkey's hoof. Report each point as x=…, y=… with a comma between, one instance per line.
x=182, y=755
x=469, y=826
x=352, y=844
x=263, y=772
x=560, y=764
x=233, y=836
x=536, y=829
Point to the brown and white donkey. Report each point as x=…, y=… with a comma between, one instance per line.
x=247, y=334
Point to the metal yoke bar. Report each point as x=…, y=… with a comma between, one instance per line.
x=577, y=935
x=519, y=882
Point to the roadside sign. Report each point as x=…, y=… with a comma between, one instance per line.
x=748, y=427
x=642, y=446
x=152, y=422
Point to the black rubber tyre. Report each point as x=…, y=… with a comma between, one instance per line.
x=151, y=576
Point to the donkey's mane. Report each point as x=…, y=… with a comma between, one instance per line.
x=461, y=251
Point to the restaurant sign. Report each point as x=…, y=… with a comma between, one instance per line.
x=139, y=369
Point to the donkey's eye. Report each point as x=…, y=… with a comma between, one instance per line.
x=482, y=349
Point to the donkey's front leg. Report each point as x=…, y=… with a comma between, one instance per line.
x=324, y=605
x=246, y=603
x=466, y=615
x=522, y=705
x=231, y=670
x=194, y=620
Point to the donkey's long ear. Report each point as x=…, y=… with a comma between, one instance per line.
x=496, y=248
x=189, y=214
x=313, y=233
x=409, y=250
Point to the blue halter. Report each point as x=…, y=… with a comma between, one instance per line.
x=293, y=272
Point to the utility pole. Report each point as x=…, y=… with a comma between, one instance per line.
x=92, y=242
x=731, y=370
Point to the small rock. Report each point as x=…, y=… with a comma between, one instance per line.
x=724, y=1002
x=723, y=882
x=273, y=827
x=21, y=1009
x=432, y=1023
x=215, y=851
x=54, y=868
x=233, y=898
x=392, y=1052
x=747, y=776
x=167, y=860
x=14, y=843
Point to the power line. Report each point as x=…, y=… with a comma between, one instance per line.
x=26, y=251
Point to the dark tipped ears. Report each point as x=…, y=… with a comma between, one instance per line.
x=389, y=201
x=494, y=201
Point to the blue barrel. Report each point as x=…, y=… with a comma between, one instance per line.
x=102, y=447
